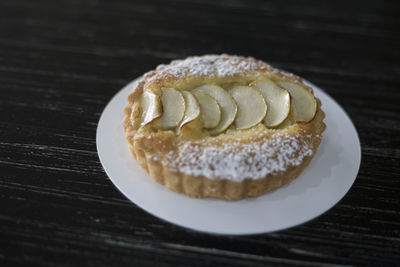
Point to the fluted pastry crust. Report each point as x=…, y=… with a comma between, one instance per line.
x=232, y=165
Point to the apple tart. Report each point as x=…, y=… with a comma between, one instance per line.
x=222, y=126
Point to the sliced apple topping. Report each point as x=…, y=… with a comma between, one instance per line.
x=251, y=106
x=173, y=106
x=192, y=110
x=227, y=104
x=151, y=107
x=277, y=99
x=210, y=110
x=304, y=105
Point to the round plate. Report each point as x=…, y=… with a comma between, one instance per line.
x=318, y=188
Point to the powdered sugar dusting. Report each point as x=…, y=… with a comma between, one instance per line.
x=237, y=161
x=211, y=65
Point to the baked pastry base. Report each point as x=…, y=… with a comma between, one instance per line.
x=149, y=148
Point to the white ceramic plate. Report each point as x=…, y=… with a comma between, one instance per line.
x=319, y=187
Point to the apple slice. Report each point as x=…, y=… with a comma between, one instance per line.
x=226, y=103
x=151, y=107
x=277, y=99
x=251, y=106
x=192, y=110
x=304, y=105
x=173, y=105
x=210, y=110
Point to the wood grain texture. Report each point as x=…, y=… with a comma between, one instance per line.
x=61, y=62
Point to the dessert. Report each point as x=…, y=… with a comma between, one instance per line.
x=222, y=126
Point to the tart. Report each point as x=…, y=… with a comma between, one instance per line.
x=222, y=126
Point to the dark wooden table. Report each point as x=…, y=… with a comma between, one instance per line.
x=62, y=61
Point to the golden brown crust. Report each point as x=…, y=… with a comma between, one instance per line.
x=150, y=147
